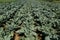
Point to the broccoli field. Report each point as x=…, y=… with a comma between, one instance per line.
x=29, y=20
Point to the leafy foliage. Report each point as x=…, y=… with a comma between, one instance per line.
x=3, y=1
x=30, y=19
